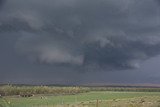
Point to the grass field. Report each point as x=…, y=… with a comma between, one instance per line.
x=105, y=99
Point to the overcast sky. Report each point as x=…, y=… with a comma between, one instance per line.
x=80, y=41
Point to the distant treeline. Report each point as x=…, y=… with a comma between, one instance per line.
x=134, y=89
x=8, y=90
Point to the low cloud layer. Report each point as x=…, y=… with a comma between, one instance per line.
x=103, y=34
x=45, y=49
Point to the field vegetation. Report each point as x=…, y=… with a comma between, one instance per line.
x=9, y=90
x=52, y=96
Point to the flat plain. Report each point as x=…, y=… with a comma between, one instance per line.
x=88, y=99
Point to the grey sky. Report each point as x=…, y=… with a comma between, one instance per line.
x=79, y=41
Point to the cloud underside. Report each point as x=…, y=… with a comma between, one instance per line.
x=106, y=34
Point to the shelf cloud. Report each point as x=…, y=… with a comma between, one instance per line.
x=86, y=35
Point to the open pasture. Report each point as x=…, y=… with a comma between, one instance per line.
x=89, y=99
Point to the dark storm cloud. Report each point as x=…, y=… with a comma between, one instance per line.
x=1, y=3
x=103, y=34
x=158, y=1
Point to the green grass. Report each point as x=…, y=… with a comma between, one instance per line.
x=50, y=101
x=147, y=101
